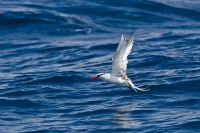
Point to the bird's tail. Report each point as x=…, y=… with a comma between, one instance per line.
x=136, y=88
x=144, y=89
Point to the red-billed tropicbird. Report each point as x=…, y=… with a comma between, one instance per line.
x=119, y=65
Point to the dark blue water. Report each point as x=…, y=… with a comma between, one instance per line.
x=50, y=49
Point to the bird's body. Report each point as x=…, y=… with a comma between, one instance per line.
x=119, y=65
x=112, y=79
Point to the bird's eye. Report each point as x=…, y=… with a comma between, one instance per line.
x=100, y=74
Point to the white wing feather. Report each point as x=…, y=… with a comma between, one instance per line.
x=120, y=61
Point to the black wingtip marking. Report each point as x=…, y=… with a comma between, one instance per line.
x=130, y=39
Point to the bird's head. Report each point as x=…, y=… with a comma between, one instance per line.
x=97, y=76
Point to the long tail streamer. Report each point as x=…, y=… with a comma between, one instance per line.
x=146, y=89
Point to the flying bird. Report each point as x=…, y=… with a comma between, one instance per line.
x=119, y=65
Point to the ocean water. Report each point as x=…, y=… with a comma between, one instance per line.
x=50, y=49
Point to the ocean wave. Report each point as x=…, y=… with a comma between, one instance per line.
x=50, y=50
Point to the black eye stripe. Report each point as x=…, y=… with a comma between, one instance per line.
x=100, y=74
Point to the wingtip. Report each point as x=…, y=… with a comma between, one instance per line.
x=131, y=33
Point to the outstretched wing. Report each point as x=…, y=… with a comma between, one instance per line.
x=120, y=61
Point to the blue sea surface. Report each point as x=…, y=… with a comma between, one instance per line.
x=50, y=49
